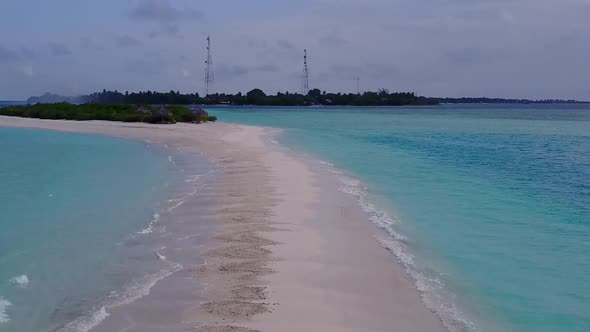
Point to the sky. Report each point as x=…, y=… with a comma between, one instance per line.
x=497, y=48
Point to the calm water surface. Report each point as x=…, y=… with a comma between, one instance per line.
x=68, y=203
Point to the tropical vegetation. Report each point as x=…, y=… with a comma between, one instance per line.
x=255, y=97
x=109, y=112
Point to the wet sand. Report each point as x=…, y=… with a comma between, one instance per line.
x=289, y=252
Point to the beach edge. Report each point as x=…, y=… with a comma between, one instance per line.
x=290, y=253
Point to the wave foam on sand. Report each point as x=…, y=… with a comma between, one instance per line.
x=130, y=293
x=140, y=287
x=86, y=322
x=434, y=294
x=4, y=304
x=22, y=281
x=149, y=229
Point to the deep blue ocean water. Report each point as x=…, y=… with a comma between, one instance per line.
x=68, y=204
x=488, y=205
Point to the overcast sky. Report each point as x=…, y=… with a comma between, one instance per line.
x=504, y=48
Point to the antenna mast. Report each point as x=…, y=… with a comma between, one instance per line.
x=358, y=85
x=209, y=75
x=305, y=74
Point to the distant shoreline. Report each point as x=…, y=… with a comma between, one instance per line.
x=257, y=97
x=24, y=102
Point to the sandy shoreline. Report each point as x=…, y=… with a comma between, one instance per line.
x=290, y=252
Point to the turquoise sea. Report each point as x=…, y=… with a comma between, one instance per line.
x=77, y=213
x=488, y=206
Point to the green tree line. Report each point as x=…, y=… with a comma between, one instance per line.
x=257, y=97
x=108, y=112
x=254, y=97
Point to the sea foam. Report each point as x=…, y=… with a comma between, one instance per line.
x=4, y=304
x=143, y=286
x=197, y=177
x=131, y=293
x=22, y=281
x=150, y=227
x=86, y=322
x=171, y=160
x=177, y=202
x=432, y=289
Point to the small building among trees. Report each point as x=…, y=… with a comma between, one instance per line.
x=198, y=115
x=142, y=114
x=163, y=115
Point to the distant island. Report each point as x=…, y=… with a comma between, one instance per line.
x=109, y=112
x=484, y=100
x=257, y=97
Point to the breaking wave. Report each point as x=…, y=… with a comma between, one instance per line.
x=150, y=227
x=86, y=322
x=432, y=289
x=4, y=304
x=22, y=281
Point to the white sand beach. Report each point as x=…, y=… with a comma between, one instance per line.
x=290, y=253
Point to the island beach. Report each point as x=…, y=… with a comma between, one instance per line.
x=289, y=252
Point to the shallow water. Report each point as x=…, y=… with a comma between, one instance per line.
x=488, y=206
x=85, y=226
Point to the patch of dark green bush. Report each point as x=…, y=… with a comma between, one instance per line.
x=109, y=112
